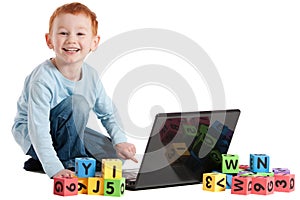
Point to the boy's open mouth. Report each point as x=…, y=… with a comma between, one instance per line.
x=71, y=49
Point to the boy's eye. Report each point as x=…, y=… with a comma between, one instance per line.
x=80, y=34
x=63, y=33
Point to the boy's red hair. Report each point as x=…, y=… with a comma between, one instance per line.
x=75, y=9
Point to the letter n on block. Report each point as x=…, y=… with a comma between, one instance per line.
x=111, y=168
x=241, y=185
x=65, y=186
x=259, y=162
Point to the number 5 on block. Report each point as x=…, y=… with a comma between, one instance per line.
x=114, y=187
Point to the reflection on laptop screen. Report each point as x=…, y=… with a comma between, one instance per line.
x=183, y=146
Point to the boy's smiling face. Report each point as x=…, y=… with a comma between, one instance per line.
x=71, y=38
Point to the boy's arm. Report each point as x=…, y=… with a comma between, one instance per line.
x=39, y=128
x=107, y=113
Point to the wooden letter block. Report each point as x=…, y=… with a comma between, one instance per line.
x=230, y=164
x=65, y=186
x=95, y=186
x=241, y=185
x=284, y=182
x=281, y=171
x=265, y=174
x=244, y=167
x=214, y=182
x=111, y=168
x=263, y=185
x=82, y=185
x=114, y=187
x=85, y=167
x=259, y=162
x=228, y=181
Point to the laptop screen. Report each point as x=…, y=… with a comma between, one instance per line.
x=183, y=146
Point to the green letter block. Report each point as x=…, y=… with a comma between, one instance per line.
x=230, y=164
x=114, y=187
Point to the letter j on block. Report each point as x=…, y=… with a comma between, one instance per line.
x=85, y=167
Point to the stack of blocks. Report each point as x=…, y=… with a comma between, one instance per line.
x=245, y=179
x=110, y=184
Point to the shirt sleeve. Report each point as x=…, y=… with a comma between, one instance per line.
x=39, y=127
x=106, y=111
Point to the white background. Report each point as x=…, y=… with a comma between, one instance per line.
x=254, y=45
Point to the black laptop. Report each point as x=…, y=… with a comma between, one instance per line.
x=183, y=146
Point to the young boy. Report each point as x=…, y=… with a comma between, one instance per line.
x=58, y=96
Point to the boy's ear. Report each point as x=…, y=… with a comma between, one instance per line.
x=48, y=41
x=95, y=43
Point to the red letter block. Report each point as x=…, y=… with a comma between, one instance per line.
x=241, y=185
x=284, y=182
x=65, y=186
x=263, y=185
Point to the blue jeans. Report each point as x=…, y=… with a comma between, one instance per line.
x=71, y=138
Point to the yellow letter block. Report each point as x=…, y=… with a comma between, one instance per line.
x=95, y=186
x=214, y=182
x=111, y=168
x=82, y=185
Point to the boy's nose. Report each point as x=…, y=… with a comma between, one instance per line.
x=71, y=39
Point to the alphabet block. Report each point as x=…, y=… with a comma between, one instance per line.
x=241, y=185
x=85, y=167
x=228, y=181
x=281, y=171
x=284, y=182
x=177, y=152
x=214, y=182
x=114, y=187
x=95, y=186
x=230, y=164
x=82, y=185
x=263, y=185
x=244, y=167
x=246, y=173
x=65, y=186
x=111, y=168
x=259, y=162
x=265, y=174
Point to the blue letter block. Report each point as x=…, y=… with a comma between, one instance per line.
x=85, y=167
x=259, y=162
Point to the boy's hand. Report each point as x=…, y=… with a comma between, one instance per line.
x=126, y=151
x=64, y=173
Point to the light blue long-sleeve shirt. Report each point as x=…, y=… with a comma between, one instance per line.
x=43, y=89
